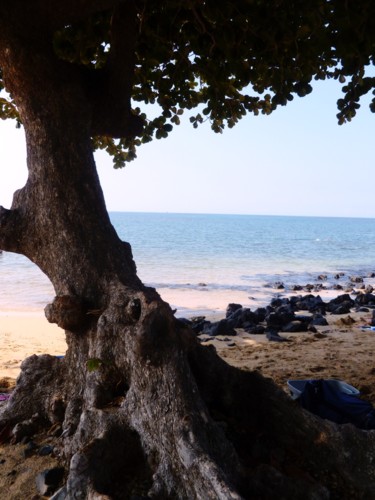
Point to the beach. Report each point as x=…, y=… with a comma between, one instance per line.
x=22, y=335
x=343, y=349
x=199, y=263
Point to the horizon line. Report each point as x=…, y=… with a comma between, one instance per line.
x=165, y=212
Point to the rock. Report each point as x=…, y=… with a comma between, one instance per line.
x=341, y=303
x=231, y=308
x=278, y=302
x=221, y=327
x=295, y=326
x=297, y=288
x=318, y=320
x=185, y=321
x=322, y=277
x=197, y=323
x=284, y=314
x=369, y=289
x=363, y=309
x=367, y=299
x=242, y=318
x=342, y=308
x=273, y=336
x=318, y=287
x=260, y=314
x=309, y=303
x=199, y=327
x=45, y=450
x=277, y=321
x=304, y=318
x=255, y=330
x=356, y=279
x=48, y=481
x=197, y=319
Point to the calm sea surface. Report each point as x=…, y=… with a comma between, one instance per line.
x=186, y=253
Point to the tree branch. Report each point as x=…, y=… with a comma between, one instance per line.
x=10, y=230
x=108, y=90
x=55, y=14
x=113, y=88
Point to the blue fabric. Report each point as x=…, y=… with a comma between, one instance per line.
x=323, y=399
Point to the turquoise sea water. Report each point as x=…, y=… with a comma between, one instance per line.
x=217, y=253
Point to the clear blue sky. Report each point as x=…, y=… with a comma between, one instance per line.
x=297, y=161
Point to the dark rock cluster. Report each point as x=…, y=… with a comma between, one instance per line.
x=353, y=284
x=294, y=314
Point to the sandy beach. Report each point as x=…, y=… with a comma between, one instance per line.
x=24, y=334
x=344, y=349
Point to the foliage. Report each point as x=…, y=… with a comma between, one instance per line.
x=8, y=108
x=227, y=59
x=94, y=364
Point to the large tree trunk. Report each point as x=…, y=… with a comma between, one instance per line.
x=143, y=408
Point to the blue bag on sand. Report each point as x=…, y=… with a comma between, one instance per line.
x=327, y=401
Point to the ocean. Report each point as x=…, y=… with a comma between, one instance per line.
x=199, y=263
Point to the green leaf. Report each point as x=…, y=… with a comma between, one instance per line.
x=93, y=364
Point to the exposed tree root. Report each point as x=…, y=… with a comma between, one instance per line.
x=178, y=422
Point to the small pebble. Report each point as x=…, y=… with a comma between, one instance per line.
x=45, y=450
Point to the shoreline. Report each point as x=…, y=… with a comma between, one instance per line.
x=213, y=303
x=27, y=332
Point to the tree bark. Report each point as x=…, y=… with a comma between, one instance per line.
x=143, y=408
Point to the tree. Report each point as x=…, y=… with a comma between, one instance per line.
x=142, y=407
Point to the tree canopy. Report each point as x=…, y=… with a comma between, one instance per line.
x=226, y=60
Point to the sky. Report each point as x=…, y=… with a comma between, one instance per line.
x=298, y=161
